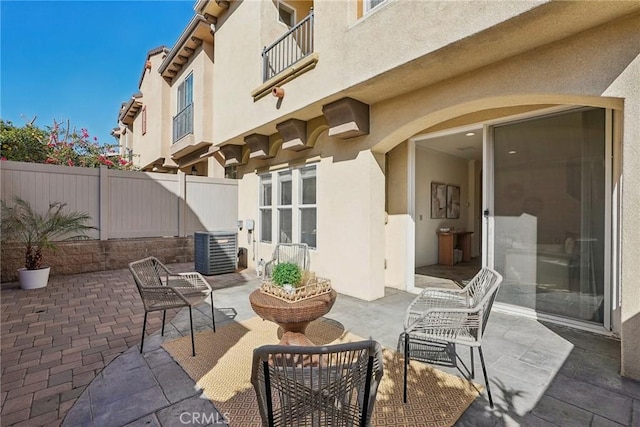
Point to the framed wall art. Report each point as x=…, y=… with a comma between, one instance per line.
x=438, y=200
x=453, y=201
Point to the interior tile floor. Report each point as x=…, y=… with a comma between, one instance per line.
x=541, y=374
x=458, y=272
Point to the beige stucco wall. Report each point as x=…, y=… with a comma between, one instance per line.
x=201, y=65
x=583, y=70
x=580, y=70
x=343, y=44
x=157, y=139
x=600, y=67
x=237, y=44
x=397, y=179
x=399, y=228
x=585, y=65
x=350, y=237
x=627, y=86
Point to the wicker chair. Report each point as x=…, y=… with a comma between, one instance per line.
x=297, y=253
x=438, y=319
x=317, y=386
x=160, y=289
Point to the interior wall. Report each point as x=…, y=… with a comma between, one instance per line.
x=434, y=166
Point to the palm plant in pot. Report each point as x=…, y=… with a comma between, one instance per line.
x=36, y=232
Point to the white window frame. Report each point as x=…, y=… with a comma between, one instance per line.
x=265, y=180
x=288, y=8
x=313, y=172
x=282, y=177
x=296, y=207
x=369, y=5
x=185, y=93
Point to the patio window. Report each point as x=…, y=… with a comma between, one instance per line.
x=285, y=226
x=308, y=206
x=265, y=209
x=290, y=212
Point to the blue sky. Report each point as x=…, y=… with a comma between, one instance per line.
x=79, y=60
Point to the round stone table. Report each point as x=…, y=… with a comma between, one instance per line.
x=292, y=317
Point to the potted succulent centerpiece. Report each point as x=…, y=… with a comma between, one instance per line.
x=35, y=232
x=287, y=275
x=290, y=283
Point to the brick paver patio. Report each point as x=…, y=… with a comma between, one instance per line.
x=56, y=340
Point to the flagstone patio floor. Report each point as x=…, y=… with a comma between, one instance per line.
x=70, y=356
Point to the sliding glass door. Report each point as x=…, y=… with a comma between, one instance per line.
x=548, y=236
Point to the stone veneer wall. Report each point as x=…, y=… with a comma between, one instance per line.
x=99, y=255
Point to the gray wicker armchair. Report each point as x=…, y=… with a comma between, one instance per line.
x=317, y=386
x=160, y=289
x=297, y=253
x=438, y=319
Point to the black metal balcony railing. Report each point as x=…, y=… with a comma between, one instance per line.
x=183, y=123
x=293, y=46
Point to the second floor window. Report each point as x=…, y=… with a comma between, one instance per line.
x=185, y=93
x=370, y=4
x=286, y=14
x=144, y=120
x=183, y=120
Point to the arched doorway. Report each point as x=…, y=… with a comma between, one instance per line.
x=560, y=271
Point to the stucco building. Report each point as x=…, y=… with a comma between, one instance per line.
x=364, y=127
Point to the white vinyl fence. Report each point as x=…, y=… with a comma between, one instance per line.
x=125, y=204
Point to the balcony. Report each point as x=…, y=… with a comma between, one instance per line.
x=183, y=123
x=188, y=138
x=289, y=49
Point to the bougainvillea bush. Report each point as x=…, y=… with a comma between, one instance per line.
x=59, y=144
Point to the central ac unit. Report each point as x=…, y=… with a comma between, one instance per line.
x=216, y=252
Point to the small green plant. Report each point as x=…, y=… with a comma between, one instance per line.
x=286, y=273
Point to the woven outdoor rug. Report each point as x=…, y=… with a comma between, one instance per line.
x=222, y=368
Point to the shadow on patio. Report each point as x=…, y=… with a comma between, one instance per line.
x=55, y=341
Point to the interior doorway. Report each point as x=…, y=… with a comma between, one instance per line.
x=448, y=206
x=534, y=192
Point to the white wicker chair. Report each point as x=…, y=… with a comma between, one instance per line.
x=317, y=386
x=438, y=319
x=297, y=253
x=161, y=289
